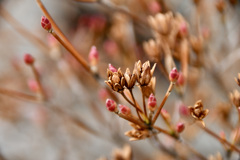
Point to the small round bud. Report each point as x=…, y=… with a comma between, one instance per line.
x=152, y=102
x=111, y=105
x=28, y=59
x=180, y=80
x=93, y=56
x=180, y=127
x=45, y=23
x=33, y=85
x=173, y=75
x=124, y=109
x=111, y=68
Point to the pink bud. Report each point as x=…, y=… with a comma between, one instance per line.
x=173, y=75
x=111, y=68
x=111, y=105
x=222, y=134
x=183, y=30
x=103, y=94
x=152, y=102
x=45, y=23
x=33, y=85
x=180, y=80
x=124, y=109
x=183, y=110
x=93, y=56
x=154, y=7
x=180, y=127
x=28, y=59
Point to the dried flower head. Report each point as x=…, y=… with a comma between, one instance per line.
x=153, y=49
x=45, y=23
x=111, y=105
x=28, y=59
x=116, y=80
x=137, y=133
x=130, y=79
x=235, y=98
x=143, y=72
x=197, y=110
x=162, y=23
x=123, y=154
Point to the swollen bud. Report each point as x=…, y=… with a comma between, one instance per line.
x=45, y=23
x=152, y=102
x=93, y=56
x=28, y=59
x=124, y=109
x=111, y=105
x=111, y=68
x=180, y=127
x=173, y=75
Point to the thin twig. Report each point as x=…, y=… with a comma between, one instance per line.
x=135, y=105
x=163, y=102
x=18, y=94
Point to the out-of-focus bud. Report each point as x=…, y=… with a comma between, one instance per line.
x=103, y=94
x=45, y=23
x=28, y=59
x=93, y=56
x=184, y=110
x=111, y=105
x=222, y=135
x=180, y=127
x=111, y=68
x=183, y=29
x=221, y=5
x=152, y=102
x=173, y=75
x=33, y=85
x=180, y=80
x=154, y=7
x=124, y=109
x=165, y=114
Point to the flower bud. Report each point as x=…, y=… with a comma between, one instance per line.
x=111, y=68
x=33, y=85
x=124, y=109
x=222, y=134
x=173, y=75
x=45, y=23
x=111, y=105
x=152, y=102
x=180, y=127
x=180, y=80
x=28, y=59
x=165, y=114
x=93, y=56
x=184, y=110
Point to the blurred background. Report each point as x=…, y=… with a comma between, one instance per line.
x=73, y=123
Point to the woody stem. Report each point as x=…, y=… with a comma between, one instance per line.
x=135, y=105
x=124, y=96
x=233, y=147
x=131, y=119
x=37, y=78
x=17, y=94
x=144, y=104
x=163, y=102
